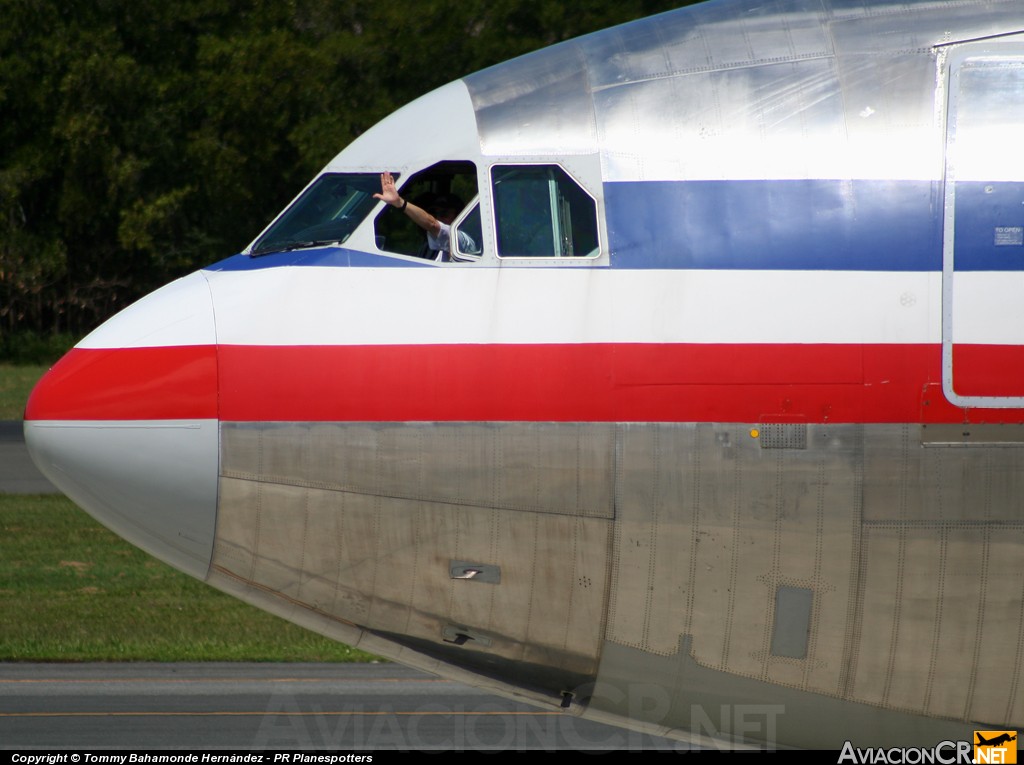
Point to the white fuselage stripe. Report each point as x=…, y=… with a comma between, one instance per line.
x=394, y=306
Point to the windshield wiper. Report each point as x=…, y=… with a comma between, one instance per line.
x=293, y=246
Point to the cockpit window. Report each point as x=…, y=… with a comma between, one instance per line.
x=443, y=190
x=541, y=212
x=466, y=244
x=326, y=213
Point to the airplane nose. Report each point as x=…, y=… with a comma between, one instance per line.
x=126, y=424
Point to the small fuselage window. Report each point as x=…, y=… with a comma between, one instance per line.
x=541, y=212
x=326, y=213
x=467, y=242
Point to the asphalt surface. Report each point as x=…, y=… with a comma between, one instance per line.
x=293, y=707
x=18, y=474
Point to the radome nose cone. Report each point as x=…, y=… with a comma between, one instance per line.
x=129, y=431
x=153, y=483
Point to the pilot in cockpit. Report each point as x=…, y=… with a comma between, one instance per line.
x=437, y=224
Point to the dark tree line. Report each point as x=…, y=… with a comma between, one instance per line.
x=141, y=139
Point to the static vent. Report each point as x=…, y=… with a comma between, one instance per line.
x=776, y=435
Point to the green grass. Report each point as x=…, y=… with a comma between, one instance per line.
x=16, y=382
x=70, y=590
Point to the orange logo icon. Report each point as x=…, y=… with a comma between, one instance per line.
x=995, y=746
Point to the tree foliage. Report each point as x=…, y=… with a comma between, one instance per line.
x=141, y=139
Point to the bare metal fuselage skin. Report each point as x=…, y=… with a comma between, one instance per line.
x=752, y=471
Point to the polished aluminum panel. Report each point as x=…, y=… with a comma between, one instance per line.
x=914, y=556
x=360, y=523
x=516, y=466
x=741, y=90
x=907, y=543
x=554, y=88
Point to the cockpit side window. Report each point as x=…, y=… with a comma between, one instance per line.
x=468, y=239
x=450, y=184
x=541, y=212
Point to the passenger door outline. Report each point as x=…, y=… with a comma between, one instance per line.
x=979, y=168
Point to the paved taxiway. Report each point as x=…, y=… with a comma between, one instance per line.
x=18, y=474
x=277, y=706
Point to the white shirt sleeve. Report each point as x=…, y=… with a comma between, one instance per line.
x=443, y=240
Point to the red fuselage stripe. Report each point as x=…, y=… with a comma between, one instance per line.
x=178, y=382
x=592, y=382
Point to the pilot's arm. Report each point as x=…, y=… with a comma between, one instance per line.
x=419, y=216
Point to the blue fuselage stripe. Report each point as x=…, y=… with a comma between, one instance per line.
x=776, y=225
x=815, y=225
